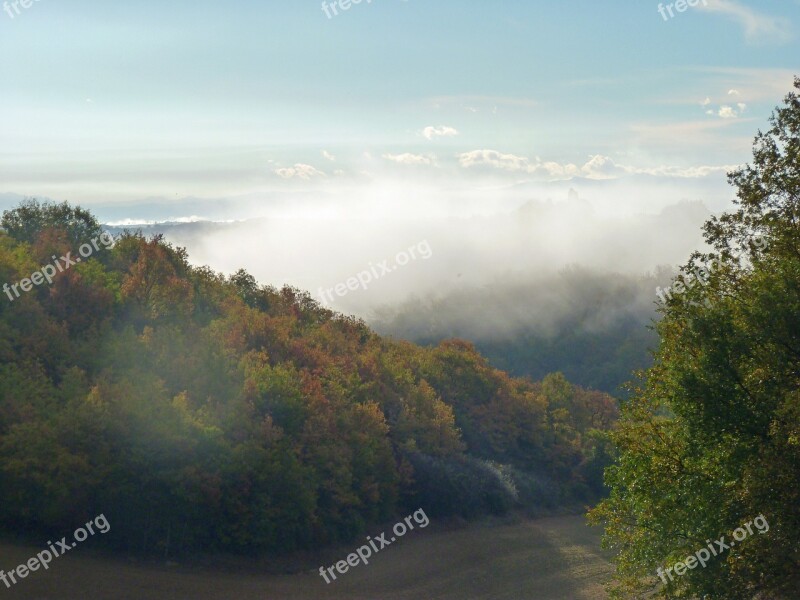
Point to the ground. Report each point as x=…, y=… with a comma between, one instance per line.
x=555, y=558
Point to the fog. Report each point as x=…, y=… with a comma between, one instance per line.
x=459, y=240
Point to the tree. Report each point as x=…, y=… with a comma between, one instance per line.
x=26, y=222
x=710, y=440
x=156, y=282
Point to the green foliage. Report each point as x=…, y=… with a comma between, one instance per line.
x=710, y=440
x=27, y=222
x=459, y=485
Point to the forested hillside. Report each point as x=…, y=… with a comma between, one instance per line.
x=595, y=327
x=198, y=411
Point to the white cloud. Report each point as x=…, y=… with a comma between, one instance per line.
x=442, y=131
x=556, y=171
x=603, y=167
x=495, y=159
x=596, y=167
x=706, y=102
x=758, y=27
x=328, y=155
x=729, y=112
x=411, y=159
x=299, y=171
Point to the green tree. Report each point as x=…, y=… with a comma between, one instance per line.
x=26, y=222
x=710, y=440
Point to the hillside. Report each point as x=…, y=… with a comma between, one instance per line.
x=595, y=327
x=203, y=412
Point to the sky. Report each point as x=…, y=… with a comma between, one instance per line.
x=111, y=103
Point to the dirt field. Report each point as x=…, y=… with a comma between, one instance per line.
x=548, y=559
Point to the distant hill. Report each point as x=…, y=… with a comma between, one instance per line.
x=594, y=327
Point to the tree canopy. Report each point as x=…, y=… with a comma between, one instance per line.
x=711, y=438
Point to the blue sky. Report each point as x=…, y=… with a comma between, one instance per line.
x=110, y=102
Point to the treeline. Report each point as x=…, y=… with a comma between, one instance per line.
x=595, y=327
x=198, y=411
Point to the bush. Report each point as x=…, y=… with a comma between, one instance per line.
x=460, y=485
